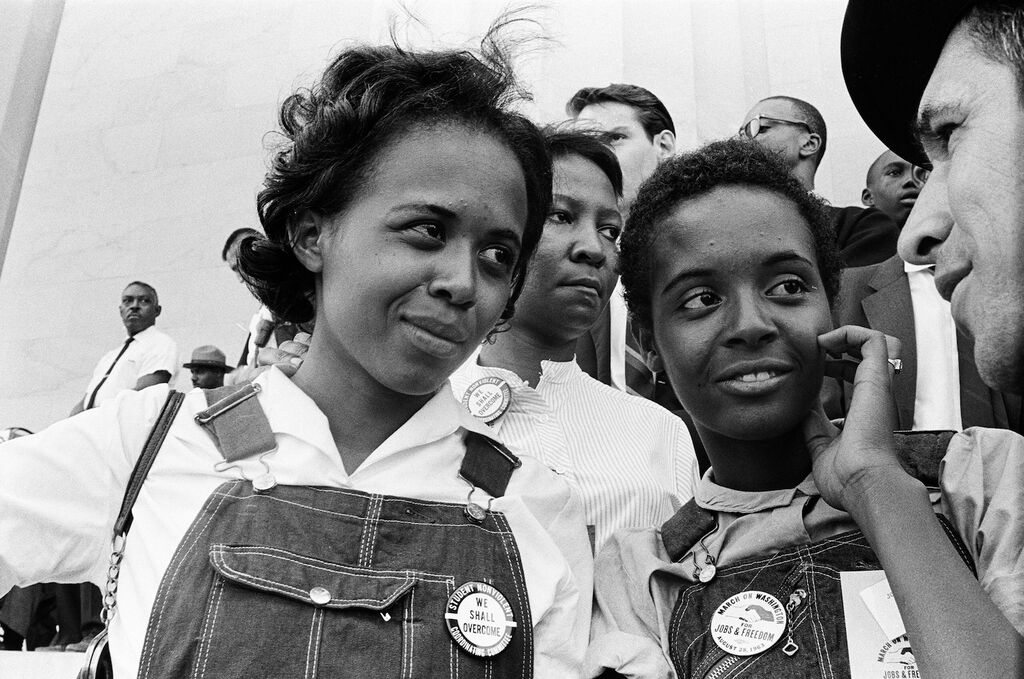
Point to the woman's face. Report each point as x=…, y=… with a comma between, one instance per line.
x=572, y=273
x=738, y=304
x=418, y=268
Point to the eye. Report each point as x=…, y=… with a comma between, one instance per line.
x=610, y=232
x=616, y=136
x=560, y=217
x=429, y=230
x=499, y=255
x=701, y=298
x=789, y=288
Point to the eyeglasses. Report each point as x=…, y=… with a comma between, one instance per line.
x=753, y=127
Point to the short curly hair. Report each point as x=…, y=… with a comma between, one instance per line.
x=724, y=163
x=335, y=131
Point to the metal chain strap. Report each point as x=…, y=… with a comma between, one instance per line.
x=113, y=571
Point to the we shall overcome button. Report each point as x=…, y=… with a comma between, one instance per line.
x=748, y=623
x=480, y=619
x=488, y=398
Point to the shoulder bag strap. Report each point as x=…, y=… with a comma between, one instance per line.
x=145, y=461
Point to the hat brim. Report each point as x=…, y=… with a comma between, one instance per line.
x=208, y=364
x=889, y=49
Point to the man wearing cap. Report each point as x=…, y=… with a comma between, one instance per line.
x=795, y=131
x=940, y=82
x=208, y=366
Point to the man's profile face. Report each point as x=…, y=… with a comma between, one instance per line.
x=139, y=308
x=893, y=185
x=207, y=378
x=969, y=218
x=783, y=139
x=638, y=155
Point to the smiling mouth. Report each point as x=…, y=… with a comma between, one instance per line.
x=762, y=376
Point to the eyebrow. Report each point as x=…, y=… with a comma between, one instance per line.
x=924, y=126
x=429, y=207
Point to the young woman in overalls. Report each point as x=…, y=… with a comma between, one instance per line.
x=354, y=520
x=776, y=568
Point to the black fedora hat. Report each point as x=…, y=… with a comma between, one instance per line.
x=889, y=49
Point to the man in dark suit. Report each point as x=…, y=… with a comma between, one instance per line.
x=796, y=132
x=939, y=387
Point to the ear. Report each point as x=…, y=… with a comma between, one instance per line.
x=158, y=310
x=867, y=198
x=665, y=141
x=305, y=233
x=645, y=338
x=811, y=145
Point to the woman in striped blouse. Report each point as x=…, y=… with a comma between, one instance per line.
x=630, y=460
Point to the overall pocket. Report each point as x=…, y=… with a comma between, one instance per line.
x=305, y=617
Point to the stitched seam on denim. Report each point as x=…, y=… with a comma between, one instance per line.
x=319, y=510
x=387, y=499
x=817, y=629
x=817, y=549
x=410, y=636
x=512, y=556
x=372, y=544
x=330, y=566
x=284, y=588
x=182, y=551
x=316, y=635
x=207, y=638
x=364, y=535
x=453, y=659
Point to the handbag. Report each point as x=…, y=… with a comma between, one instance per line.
x=97, y=663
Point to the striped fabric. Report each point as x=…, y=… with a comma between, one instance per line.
x=630, y=460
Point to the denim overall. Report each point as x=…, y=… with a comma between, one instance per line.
x=301, y=581
x=805, y=579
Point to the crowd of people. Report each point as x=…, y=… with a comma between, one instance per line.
x=565, y=401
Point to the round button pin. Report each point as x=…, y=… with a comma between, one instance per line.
x=319, y=596
x=748, y=623
x=707, y=574
x=480, y=619
x=264, y=482
x=488, y=398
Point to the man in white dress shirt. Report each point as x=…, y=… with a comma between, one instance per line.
x=146, y=357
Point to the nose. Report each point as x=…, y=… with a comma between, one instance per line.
x=752, y=324
x=588, y=245
x=455, y=277
x=929, y=223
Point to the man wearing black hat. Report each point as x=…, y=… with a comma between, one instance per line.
x=208, y=366
x=941, y=83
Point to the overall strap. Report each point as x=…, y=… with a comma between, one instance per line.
x=145, y=461
x=487, y=464
x=920, y=453
x=236, y=421
x=685, y=528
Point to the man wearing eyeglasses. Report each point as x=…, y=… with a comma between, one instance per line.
x=795, y=130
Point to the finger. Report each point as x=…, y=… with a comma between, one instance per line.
x=302, y=337
x=841, y=369
x=295, y=348
x=272, y=356
x=818, y=432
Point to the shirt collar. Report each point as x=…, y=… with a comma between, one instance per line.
x=290, y=411
x=718, y=498
x=909, y=268
x=143, y=334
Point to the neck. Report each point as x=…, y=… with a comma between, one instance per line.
x=522, y=352
x=804, y=174
x=767, y=464
x=361, y=412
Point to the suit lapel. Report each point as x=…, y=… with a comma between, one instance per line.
x=890, y=310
